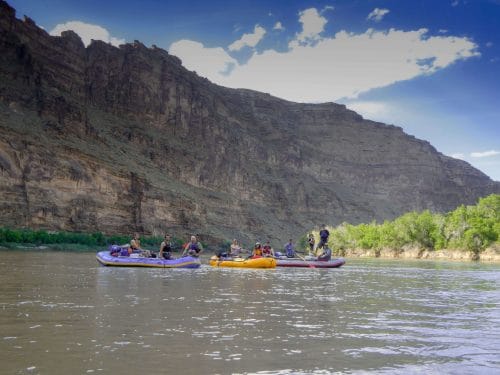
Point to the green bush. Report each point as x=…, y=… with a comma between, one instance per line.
x=468, y=228
x=41, y=237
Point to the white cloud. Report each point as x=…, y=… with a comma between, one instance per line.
x=207, y=62
x=484, y=154
x=443, y=31
x=87, y=32
x=458, y=155
x=313, y=24
x=278, y=26
x=455, y=3
x=369, y=109
x=327, y=7
x=489, y=44
x=250, y=40
x=324, y=68
x=377, y=14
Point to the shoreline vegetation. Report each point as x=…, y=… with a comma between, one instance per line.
x=468, y=233
x=26, y=239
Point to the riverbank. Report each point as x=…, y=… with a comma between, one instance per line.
x=491, y=254
x=69, y=247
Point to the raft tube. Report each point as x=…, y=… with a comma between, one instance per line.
x=243, y=263
x=297, y=262
x=105, y=258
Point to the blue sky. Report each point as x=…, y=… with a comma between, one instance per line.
x=431, y=67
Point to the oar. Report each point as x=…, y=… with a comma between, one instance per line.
x=308, y=263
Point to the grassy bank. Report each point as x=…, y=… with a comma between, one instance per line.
x=470, y=229
x=69, y=241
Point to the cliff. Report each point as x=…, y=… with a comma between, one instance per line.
x=123, y=139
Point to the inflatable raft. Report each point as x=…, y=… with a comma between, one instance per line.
x=243, y=262
x=297, y=262
x=106, y=259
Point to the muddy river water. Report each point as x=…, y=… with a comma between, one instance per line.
x=62, y=313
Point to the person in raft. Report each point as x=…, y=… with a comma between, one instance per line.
x=257, y=250
x=166, y=248
x=311, y=241
x=193, y=248
x=289, y=250
x=326, y=255
x=135, y=247
x=235, y=249
x=267, y=250
x=323, y=237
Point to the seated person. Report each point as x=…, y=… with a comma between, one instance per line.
x=135, y=244
x=235, y=249
x=257, y=251
x=326, y=255
x=289, y=250
x=193, y=248
x=135, y=247
x=267, y=250
x=166, y=248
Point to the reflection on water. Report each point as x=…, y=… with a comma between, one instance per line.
x=62, y=313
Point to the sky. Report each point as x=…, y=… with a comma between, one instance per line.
x=430, y=66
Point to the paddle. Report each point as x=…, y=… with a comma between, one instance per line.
x=308, y=263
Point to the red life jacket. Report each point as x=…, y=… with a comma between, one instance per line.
x=266, y=250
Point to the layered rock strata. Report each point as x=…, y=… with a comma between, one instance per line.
x=110, y=139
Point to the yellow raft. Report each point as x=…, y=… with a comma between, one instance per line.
x=243, y=263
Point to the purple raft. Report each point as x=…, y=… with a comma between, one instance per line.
x=297, y=262
x=106, y=259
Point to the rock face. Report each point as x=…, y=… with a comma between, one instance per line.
x=123, y=139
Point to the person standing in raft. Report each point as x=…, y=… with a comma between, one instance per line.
x=267, y=250
x=166, y=248
x=193, y=248
x=323, y=237
x=311, y=241
x=289, y=250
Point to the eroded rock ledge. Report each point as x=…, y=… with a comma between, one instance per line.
x=122, y=139
x=491, y=254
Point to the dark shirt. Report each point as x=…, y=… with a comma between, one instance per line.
x=326, y=256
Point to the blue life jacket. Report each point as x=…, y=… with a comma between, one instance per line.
x=289, y=251
x=194, y=246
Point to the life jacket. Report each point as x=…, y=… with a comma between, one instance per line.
x=289, y=251
x=257, y=251
x=167, y=247
x=194, y=246
x=266, y=250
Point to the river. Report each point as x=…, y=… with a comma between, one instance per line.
x=61, y=313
